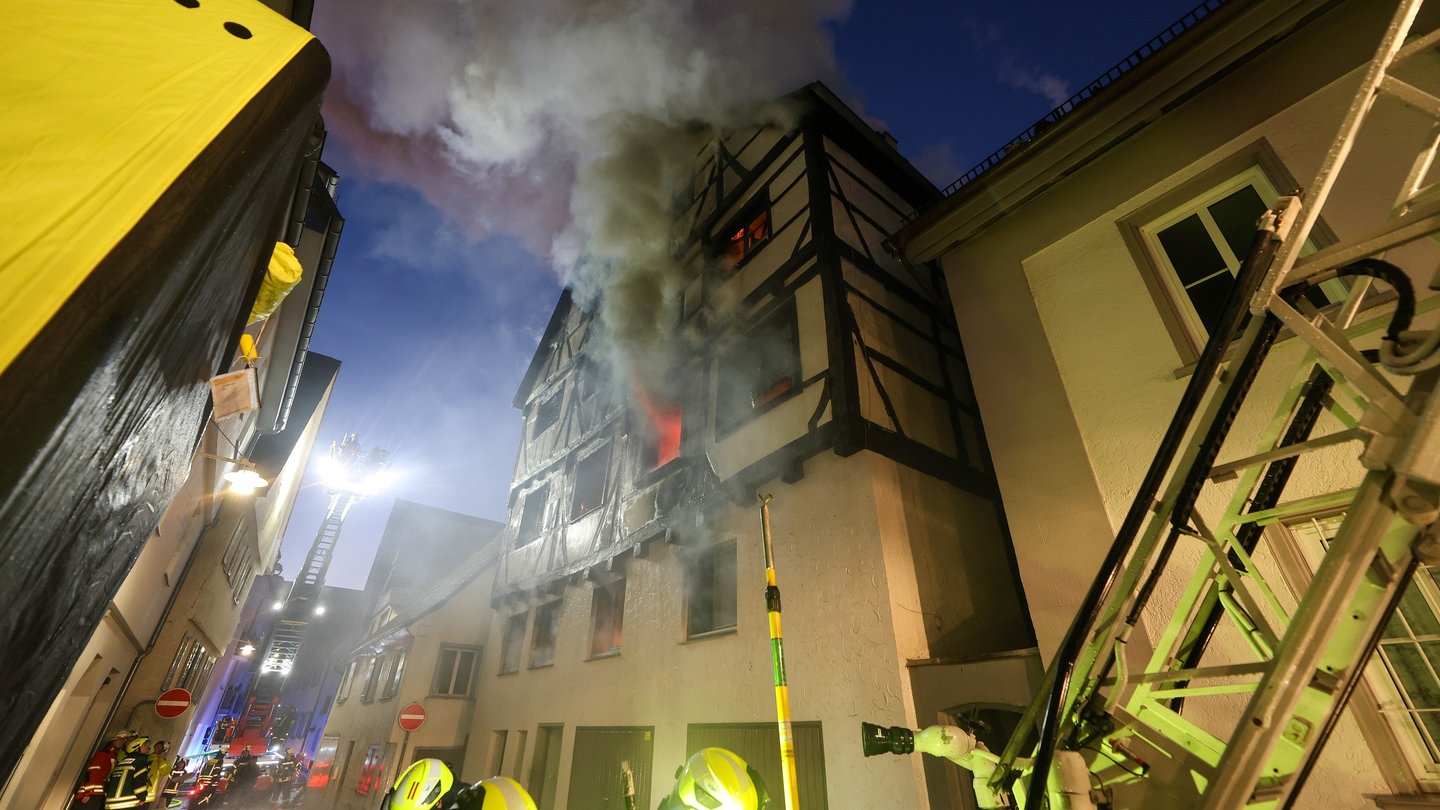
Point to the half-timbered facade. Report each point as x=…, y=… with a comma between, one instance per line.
x=808, y=366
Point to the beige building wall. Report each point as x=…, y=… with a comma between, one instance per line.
x=1077, y=364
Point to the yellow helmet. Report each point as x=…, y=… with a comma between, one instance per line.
x=421, y=786
x=495, y=793
x=717, y=779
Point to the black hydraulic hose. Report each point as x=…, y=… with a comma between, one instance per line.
x=1245, y=373
x=1252, y=272
x=1267, y=496
x=1396, y=278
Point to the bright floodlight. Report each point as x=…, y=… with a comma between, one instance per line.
x=348, y=468
x=320, y=610
x=245, y=481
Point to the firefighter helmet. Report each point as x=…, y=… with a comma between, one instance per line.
x=717, y=779
x=421, y=786
x=134, y=743
x=495, y=793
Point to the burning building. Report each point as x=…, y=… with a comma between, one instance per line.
x=802, y=362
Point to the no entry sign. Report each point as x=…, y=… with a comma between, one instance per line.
x=173, y=703
x=412, y=717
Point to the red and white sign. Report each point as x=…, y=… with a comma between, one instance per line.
x=412, y=717
x=173, y=703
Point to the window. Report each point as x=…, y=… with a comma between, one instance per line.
x=547, y=625
x=659, y=424
x=343, y=690
x=372, y=676
x=607, y=618
x=547, y=413
x=745, y=235
x=1198, y=247
x=532, y=516
x=590, y=477
x=758, y=369
x=710, y=592
x=454, y=670
x=190, y=669
x=1405, y=670
x=228, y=562
x=394, y=672
x=512, y=643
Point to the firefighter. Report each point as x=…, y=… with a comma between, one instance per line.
x=96, y=773
x=716, y=779
x=285, y=772
x=495, y=793
x=129, y=783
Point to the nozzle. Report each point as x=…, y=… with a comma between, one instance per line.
x=881, y=740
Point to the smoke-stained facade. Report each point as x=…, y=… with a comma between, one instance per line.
x=796, y=359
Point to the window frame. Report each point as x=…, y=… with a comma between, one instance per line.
x=599, y=455
x=394, y=672
x=512, y=641
x=702, y=565
x=550, y=407
x=607, y=601
x=756, y=342
x=1138, y=227
x=347, y=679
x=444, y=682
x=547, y=620
x=525, y=533
x=745, y=234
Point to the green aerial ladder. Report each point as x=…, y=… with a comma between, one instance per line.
x=1106, y=732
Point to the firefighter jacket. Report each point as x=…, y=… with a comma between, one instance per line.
x=129, y=783
x=95, y=775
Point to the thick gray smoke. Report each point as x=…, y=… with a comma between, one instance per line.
x=564, y=122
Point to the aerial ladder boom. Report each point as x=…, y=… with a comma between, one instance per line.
x=351, y=477
x=1273, y=688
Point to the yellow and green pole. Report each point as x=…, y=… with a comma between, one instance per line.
x=777, y=657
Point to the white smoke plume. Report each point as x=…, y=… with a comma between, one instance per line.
x=563, y=122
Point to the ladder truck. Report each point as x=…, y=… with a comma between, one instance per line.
x=351, y=476
x=1106, y=732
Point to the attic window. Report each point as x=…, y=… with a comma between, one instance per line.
x=746, y=234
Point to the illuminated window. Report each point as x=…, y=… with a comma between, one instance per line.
x=591, y=474
x=710, y=592
x=758, y=369
x=746, y=234
x=608, y=618
x=512, y=643
x=372, y=677
x=547, y=626
x=394, y=672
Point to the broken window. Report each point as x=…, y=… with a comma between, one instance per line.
x=547, y=626
x=590, y=477
x=710, y=592
x=758, y=369
x=746, y=234
x=608, y=618
x=660, y=426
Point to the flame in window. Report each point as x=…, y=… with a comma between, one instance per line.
x=665, y=421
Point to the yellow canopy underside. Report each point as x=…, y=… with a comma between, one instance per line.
x=103, y=103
